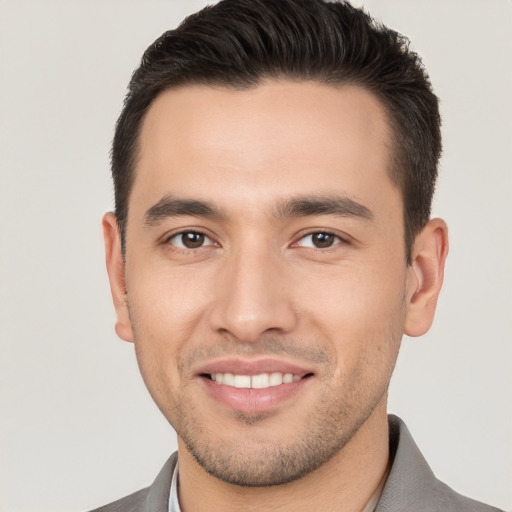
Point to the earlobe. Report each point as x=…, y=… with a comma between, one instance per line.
x=116, y=275
x=426, y=275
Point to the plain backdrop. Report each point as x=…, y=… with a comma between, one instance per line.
x=77, y=426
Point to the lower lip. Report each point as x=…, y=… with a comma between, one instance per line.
x=253, y=401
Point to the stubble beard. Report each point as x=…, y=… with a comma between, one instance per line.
x=246, y=462
x=248, y=459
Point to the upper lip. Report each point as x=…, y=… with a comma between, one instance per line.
x=240, y=366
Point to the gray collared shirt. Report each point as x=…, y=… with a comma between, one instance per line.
x=410, y=485
x=174, y=504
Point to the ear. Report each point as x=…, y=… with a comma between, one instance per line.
x=426, y=275
x=115, y=269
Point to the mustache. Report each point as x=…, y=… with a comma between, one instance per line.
x=268, y=346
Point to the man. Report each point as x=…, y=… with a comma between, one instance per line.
x=274, y=166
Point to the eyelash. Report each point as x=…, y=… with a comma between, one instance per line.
x=168, y=240
x=338, y=240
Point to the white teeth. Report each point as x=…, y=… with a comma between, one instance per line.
x=276, y=379
x=228, y=379
x=241, y=381
x=261, y=381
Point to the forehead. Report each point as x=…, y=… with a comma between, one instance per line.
x=274, y=139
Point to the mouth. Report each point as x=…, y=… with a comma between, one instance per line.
x=254, y=387
x=260, y=381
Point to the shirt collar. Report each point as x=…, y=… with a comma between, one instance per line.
x=174, y=504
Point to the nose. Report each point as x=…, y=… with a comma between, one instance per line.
x=254, y=297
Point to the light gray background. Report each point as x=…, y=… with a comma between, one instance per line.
x=77, y=427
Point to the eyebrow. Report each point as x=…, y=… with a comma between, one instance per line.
x=301, y=206
x=170, y=206
x=340, y=206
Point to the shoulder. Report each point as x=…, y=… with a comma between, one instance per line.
x=154, y=498
x=132, y=503
x=411, y=484
x=452, y=501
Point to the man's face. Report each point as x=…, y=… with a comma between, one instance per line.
x=265, y=272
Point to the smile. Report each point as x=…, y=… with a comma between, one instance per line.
x=254, y=386
x=261, y=381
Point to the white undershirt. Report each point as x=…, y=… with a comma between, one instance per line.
x=174, y=504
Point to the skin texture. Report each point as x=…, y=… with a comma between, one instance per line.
x=256, y=289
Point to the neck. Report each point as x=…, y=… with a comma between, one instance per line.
x=345, y=483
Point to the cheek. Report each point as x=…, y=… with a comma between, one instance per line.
x=167, y=301
x=360, y=311
x=166, y=313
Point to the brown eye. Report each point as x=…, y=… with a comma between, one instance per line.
x=190, y=240
x=323, y=240
x=319, y=240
